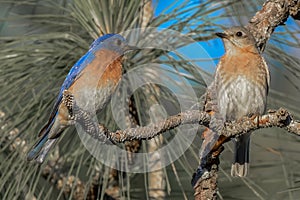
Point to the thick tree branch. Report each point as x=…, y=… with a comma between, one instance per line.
x=273, y=14
x=152, y=130
x=279, y=118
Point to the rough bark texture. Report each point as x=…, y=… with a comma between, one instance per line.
x=152, y=130
x=208, y=187
x=279, y=118
x=272, y=14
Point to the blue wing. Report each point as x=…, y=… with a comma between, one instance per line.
x=71, y=77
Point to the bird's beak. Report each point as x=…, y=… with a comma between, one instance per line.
x=222, y=35
x=131, y=48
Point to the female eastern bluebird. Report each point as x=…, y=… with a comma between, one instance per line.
x=91, y=81
x=241, y=86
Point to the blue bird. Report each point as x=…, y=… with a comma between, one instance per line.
x=91, y=81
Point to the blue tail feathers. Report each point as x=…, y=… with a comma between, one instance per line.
x=36, y=149
x=44, y=137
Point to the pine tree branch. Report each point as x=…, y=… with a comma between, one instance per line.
x=279, y=118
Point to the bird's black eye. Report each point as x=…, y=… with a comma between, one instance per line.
x=118, y=42
x=239, y=34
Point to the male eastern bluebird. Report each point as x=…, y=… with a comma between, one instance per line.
x=91, y=82
x=242, y=82
x=239, y=89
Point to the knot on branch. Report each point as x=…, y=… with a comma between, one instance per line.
x=281, y=117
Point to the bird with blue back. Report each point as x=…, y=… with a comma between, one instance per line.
x=91, y=82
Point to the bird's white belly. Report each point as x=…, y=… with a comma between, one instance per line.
x=92, y=100
x=241, y=97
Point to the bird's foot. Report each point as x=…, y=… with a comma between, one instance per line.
x=255, y=118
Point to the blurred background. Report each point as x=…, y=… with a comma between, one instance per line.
x=40, y=40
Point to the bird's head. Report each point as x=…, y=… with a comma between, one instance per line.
x=112, y=42
x=238, y=37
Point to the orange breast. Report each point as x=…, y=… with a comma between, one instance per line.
x=98, y=81
x=249, y=65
